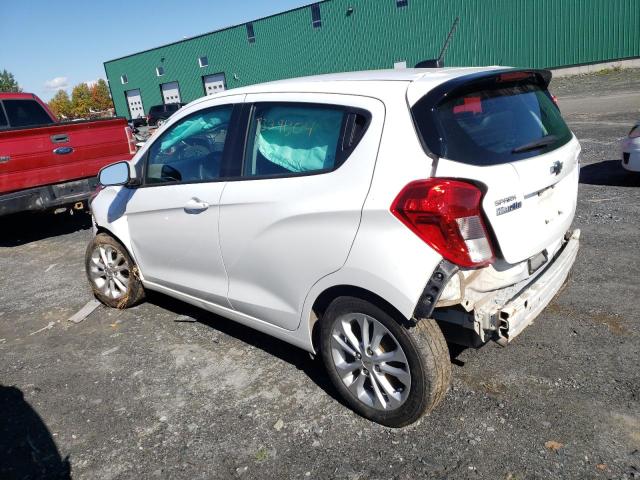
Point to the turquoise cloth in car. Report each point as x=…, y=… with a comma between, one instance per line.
x=195, y=125
x=299, y=139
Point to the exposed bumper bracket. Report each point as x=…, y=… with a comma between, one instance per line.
x=434, y=289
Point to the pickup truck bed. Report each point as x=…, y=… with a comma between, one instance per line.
x=52, y=164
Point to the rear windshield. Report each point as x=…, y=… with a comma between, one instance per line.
x=23, y=113
x=492, y=123
x=156, y=109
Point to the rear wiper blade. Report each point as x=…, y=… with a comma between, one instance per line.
x=541, y=142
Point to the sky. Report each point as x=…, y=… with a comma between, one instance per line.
x=49, y=45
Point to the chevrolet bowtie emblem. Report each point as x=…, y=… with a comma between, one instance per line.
x=556, y=168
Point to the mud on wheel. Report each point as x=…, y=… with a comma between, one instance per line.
x=112, y=273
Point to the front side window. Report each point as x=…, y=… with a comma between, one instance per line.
x=23, y=113
x=191, y=150
x=289, y=139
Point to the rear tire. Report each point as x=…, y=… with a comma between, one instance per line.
x=402, y=372
x=112, y=273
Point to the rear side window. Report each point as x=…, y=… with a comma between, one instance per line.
x=491, y=123
x=287, y=139
x=23, y=113
x=3, y=118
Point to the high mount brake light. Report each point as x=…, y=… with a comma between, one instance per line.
x=515, y=76
x=446, y=215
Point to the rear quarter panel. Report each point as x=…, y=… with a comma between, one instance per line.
x=386, y=258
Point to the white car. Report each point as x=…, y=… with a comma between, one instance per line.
x=631, y=150
x=369, y=217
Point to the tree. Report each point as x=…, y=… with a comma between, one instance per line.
x=60, y=104
x=100, y=98
x=80, y=100
x=8, y=83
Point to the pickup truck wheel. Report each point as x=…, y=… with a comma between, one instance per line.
x=386, y=372
x=112, y=274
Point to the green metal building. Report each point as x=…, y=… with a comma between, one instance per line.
x=347, y=35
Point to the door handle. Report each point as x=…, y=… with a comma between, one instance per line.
x=195, y=206
x=60, y=138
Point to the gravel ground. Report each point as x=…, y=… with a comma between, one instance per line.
x=168, y=391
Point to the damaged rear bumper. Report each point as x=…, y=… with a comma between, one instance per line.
x=476, y=317
x=519, y=312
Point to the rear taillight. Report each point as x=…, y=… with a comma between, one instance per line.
x=131, y=139
x=446, y=215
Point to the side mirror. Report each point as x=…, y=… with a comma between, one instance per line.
x=115, y=174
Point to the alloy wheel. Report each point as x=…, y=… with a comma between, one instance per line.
x=370, y=361
x=109, y=271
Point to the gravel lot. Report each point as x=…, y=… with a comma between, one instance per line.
x=168, y=391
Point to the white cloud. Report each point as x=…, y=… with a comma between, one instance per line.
x=56, y=83
x=91, y=83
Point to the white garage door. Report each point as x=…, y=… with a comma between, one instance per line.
x=170, y=92
x=213, y=83
x=134, y=100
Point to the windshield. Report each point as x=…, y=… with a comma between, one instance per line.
x=494, y=123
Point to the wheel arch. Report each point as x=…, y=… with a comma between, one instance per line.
x=324, y=299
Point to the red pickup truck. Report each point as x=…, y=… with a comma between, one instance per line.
x=45, y=163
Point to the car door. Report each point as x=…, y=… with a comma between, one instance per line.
x=293, y=215
x=173, y=215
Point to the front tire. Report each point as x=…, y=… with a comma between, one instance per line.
x=385, y=371
x=112, y=273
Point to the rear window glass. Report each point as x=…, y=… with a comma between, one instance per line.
x=496, y=123
x=23, y=113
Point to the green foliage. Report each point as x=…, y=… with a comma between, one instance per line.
x=60, y=105
x=262, y=454
x=8, y=83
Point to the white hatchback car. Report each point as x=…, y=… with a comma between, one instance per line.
x=631, y=150
x=370, y=217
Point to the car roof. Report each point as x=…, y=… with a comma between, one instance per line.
x=375, y=83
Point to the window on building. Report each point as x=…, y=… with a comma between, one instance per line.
x=159, y=71
x=203, y=62
x=124, y=79
x=402, y=3
x=251, y=36
x=316, y=21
